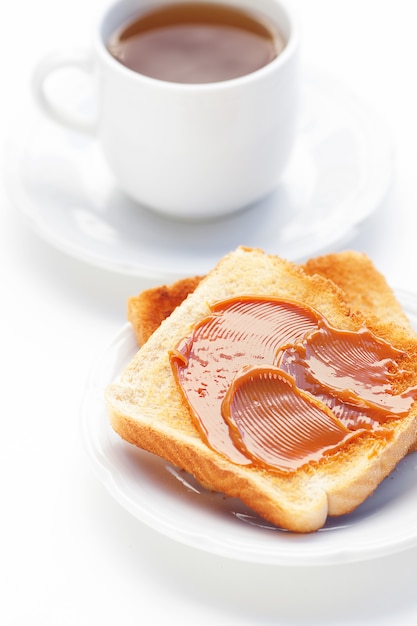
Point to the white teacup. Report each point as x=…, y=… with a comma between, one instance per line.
x=190, y=151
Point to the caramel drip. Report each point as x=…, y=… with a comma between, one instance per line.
x=269, y=382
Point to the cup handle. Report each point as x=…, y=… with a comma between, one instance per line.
x=54, y=62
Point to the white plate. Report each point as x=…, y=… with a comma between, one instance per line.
x=338, y=175
x=171, y=502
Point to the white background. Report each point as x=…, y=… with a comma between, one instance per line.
x=68, y=553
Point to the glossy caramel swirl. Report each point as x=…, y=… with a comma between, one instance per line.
x=269, y=382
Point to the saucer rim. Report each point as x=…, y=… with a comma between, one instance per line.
x=333, y=232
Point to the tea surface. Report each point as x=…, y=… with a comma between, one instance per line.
x=196, y=43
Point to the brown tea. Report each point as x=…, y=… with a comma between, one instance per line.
x=196, y=42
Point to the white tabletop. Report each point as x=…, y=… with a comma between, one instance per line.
x=70, y=554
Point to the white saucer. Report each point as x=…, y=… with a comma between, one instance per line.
x=338, y=175
x=172, y=503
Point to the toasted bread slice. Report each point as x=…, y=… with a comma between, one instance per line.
x=364, y=287
x=146, y=406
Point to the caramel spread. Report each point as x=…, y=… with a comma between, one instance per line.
x=269, y=382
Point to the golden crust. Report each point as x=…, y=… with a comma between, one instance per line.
x=146, y=407
x=147, y=310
